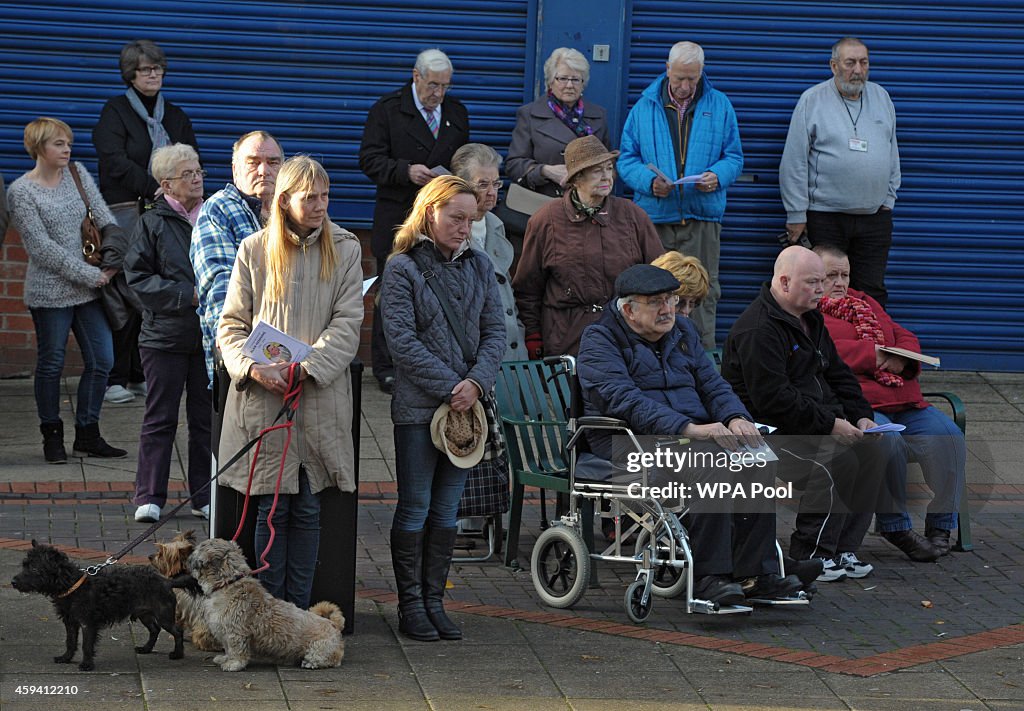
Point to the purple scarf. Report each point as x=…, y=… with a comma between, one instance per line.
x=572, y=118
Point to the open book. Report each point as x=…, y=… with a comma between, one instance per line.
x=930, y=360
x=267, y=344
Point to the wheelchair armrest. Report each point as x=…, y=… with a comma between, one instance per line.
x=595, y=421
x=957, y=405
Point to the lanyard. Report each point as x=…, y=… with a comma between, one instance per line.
x=846, y=105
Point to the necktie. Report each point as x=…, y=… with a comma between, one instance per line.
x=431, y=121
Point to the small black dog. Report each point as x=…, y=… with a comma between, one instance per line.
x=116, y=593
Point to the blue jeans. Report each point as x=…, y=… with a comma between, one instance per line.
x=429, y=485
x=935, y=442
x=89, y=324
x=293, y=557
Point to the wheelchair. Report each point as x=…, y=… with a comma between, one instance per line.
x=561, y=564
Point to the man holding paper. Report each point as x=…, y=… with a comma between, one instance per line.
x=680, y=151
x=861, y=329
x=409, y=139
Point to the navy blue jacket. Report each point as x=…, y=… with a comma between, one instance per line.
x=657, y=388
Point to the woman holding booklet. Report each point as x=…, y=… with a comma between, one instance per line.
x=861, y=328
x=301, y=275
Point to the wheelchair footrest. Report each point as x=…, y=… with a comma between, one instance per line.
x=798, y=599
x=706, y=607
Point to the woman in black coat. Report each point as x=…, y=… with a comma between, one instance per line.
x=160, y=274
x=131, y=127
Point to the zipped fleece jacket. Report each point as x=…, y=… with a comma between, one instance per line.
x=711, y=143
x=787, y=378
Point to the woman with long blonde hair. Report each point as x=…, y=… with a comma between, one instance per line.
x=431, y=370
x=302, y=275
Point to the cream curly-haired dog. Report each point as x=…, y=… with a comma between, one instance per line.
x=251, y=623
x=171, y=560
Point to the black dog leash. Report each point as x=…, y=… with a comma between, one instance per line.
x=287, y=411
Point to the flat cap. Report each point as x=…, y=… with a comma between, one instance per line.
x=644, y=280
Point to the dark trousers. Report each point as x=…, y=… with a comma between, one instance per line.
x=380, y=356
x=841, y=489
x=167, y=376
x=866, y=239
x=127, y=361
x=740, y=545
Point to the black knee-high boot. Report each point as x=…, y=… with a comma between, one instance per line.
x=437, y=559
x=407, y=558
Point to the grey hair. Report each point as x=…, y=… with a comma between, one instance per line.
x=433, y=60
x=840, y=43
x=571, y=58
x=686, y=53
x=166, y=159
x=134, y=52
x=622, y=301
x=473, y=156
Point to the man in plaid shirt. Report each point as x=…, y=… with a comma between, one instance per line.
x=226, y=218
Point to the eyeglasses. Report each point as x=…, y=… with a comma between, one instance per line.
x=660, y=302
x=483, y=186
x=569, y=80
x=154, y=71
x=189, y=175
x=433, y=87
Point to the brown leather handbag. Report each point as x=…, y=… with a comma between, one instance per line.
x=92, y=238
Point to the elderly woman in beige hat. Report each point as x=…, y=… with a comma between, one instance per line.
x=574, y=249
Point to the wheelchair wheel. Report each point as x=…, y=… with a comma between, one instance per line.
x=668, y=580
x=560, y=566
x=636, y=610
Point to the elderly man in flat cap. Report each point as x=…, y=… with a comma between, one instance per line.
x=643, y=363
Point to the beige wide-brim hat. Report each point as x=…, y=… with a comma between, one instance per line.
x=585, y=152
x=460, y=435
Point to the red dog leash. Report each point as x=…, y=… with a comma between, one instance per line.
x=291, y=403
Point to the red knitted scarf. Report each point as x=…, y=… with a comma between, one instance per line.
x=859, y=313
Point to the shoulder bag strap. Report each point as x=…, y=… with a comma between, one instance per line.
x=430, y=277
x=73, y=169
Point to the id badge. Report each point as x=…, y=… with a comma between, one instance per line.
x=858, y=144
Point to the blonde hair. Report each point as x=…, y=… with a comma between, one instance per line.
x=41, y=130
x=437, y=193
x=299, y=174
x=689, y=272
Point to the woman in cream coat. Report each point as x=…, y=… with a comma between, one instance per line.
x=302, y=275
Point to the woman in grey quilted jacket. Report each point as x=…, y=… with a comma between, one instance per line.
x=430, y=369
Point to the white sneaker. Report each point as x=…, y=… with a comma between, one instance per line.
x=118, y=394
x=147, y=513
x=854, y=567
x=140, y=389
x=202, y=512
x=831, y=571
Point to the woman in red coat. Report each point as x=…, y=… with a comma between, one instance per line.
x=859, y=325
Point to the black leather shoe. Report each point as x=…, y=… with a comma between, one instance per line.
x=916, y=547
x=772, y=587
x=717, y=588
x=938, y=537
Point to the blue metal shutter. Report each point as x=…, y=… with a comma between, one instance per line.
x=956, y=270
x=306, y=71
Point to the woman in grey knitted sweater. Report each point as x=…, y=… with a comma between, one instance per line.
x=61, y=289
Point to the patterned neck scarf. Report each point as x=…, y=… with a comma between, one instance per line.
x=571, y=116
x=581, y=208
x=859, y=313
x=154, y=124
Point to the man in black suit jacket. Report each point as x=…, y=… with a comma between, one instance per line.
x=408, y=133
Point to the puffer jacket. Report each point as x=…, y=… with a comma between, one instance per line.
x=427, y=357
x=326, y=315
x=159, y=272
x=787, y=378
x=713, y=143
x=657, y=388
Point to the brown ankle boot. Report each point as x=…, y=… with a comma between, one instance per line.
x=915, y=546
x=938, y=537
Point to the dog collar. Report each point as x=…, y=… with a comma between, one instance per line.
x=74, y=587
x=232, y=581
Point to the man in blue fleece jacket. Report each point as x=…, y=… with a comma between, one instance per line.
x=684, y=127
